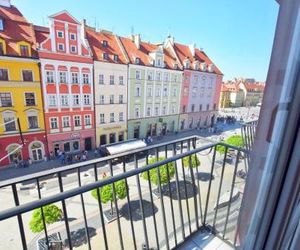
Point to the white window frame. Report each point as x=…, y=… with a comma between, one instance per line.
x=148, y=111
x=101, y=79
x=60, y=32
x=75, y=119
x=137, y=91
x=64, y=100
x=112, y=80
x=149, y=91
x=121, y=80
x=66, y=76
x=86, y=99
x=102, y=99
x=52, y=98
x=68, y=121
x=102, y=118
x=76, y=97
x=138, y=74
x=50, y=74
x=112, y=117
x=63, y=47
x=73, y=74
x=75, y=48
x=56, y=120
x=121, y=116
x=121, y=99
x=111, y=99
x=89, y=118
x=74, y=36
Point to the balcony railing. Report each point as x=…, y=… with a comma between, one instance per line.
x=152, y=206
x=248, y=133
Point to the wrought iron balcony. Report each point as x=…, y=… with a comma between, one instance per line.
x=155, y=200
x=248, y=130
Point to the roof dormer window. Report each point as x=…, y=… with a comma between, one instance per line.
x=105, y=56
x=1, y=24
x=196, y=65
x=104, y=43
x=137, y=60
x=203, y=66
x=116, y=58
x=186, y=63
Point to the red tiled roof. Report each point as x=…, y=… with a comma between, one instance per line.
x=254, y=86
x=183, y=52
x=143, y=53
x=16, y=29
x=95, y=40
x=64, y=16
x=232, y=87
x=41, y=33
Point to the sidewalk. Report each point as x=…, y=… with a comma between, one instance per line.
x=13, y=172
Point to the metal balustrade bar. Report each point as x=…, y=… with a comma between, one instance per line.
x=192, y=207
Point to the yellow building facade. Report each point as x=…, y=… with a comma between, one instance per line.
x=21, y=99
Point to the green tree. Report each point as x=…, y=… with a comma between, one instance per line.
x=235, y=140
x=106, y=193
x=163, y=172
x=51, y=214
x=195, y=161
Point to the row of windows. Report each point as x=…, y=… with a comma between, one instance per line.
x=27, y=75
x=24, y=50
x=61, y=34
x=63, y=77
x=157, y=91
x=112, y=80
x=195, y=91
x=111, y=118
x=137, y=111
x=111, y=99
x=6, y=99
x=65, y=100
x=61, y=47
x=66, y=121
x=193, y=108
x=10, y=125
x=158, y=76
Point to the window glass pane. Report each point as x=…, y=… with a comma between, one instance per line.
x=27, y=75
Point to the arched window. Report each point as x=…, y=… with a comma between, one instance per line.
x=9, y=121
x=32, y=119
x=15, y=152
x=36, y=150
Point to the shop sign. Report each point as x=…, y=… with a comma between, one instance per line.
x=75, y=135
x=112, y=127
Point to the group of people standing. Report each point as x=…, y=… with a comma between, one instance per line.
x=68, y=158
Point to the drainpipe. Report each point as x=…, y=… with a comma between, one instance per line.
x=43, y=105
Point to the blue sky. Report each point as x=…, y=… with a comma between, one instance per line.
x=236, y=34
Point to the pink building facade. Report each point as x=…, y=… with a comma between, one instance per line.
x=67, y=85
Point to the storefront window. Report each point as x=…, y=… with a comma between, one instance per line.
x=76, y=145
x=15, y=155
x=67, y=147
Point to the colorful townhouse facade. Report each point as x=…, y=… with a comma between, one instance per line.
x=20, y=90
x=154, y=89
x=201, y=86
x=253, y=92
x=67, y=84
x=110, y=74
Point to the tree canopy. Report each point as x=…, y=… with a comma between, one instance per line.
x=51, y=214
x=163, y=172
x=106, y=192
x=235, y=140
x=195, y=161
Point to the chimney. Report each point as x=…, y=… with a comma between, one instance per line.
x=192, y=48
x=5, y=3
x=137, y=40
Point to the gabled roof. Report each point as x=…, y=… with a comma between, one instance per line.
x=254, y=87
x=95, y=40
x=183, y=52
x=231, y=87
x=64, y=16
x=16, y=29
x=144, y=53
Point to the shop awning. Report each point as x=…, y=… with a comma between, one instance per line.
x=125, y=146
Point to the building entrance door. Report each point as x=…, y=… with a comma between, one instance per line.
x=56, y=148
x=102, y=139
x=112, y=138
x=136, y=132
x=88, y=143
x=164, y=129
